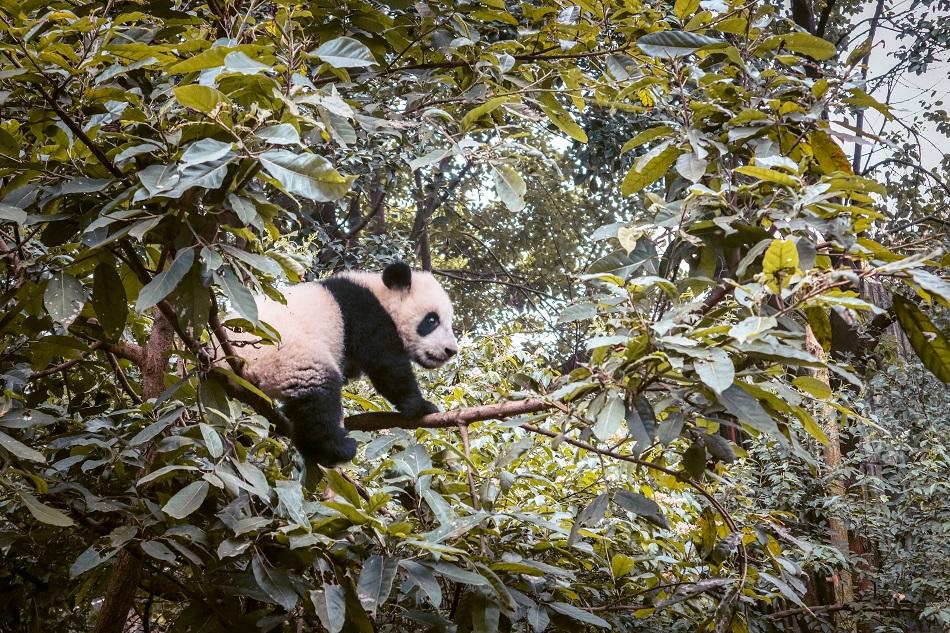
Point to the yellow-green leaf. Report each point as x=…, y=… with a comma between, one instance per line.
x=814, y=47
x=768, y=175
x=684, y=8
x=828, y=153
x=200, y=98
x=560, y=117
x=646, y=136
x=43, y=512
x=781, y=255
x=481, y=110
x=862, y=99
x=860, y=51
x=642, y=176
x=810, y=425
x=813, y=387
x=621, y=565
x=928, y=341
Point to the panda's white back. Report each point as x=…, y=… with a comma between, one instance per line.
x=311, y=329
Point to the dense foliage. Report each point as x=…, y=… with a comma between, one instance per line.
x=657, y=185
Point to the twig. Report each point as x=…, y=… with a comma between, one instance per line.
x=123, y=379
x=67, y=365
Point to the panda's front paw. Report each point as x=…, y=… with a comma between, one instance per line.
x=417, y=408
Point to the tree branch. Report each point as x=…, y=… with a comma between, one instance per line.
x=67, y=365
x=376, y=421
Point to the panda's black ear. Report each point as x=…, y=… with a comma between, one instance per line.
x=397, y=276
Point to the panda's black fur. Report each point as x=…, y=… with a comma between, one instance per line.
x=373, y=325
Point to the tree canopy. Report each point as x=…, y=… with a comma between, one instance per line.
x=687, y=311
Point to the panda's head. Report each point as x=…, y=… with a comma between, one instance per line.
x=422, y=312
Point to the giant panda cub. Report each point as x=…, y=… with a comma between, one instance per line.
x=350, y=324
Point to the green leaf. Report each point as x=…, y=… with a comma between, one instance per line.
x=239, y=62
x=810, y=425
x=641, y=506
x=510, y=187
x=621, y=565
x=240, y=297
x=828, y=153
x=862, y=99
x=579, y=614
x=684, y=8
x=716, y=371
x=212, y=440
x=648, y=170
x=694, y=460
x=747, y=408
x=206, y=150
x=201, y=98
x=44, y=513
x=13, y=214
x=561, y=118
x=691, y=167
x=186, y=500
x=345, y=52
x=932, y=284
x=589, y=515
x=330, y=605
x=307, y=175
x=164, y=282
x=577, y=312
x=670, y=44
x=860, y=51
x=274, y=582
x=211, y=58
x=109, y=301
x=780, y=256
x=64, y=298
x=473, y=115
x=424, y=579
x=376, y=581
x=20, y=449
x=660, y=131
x=806, y=44
x=768, y=175
x=484, y=612
x=812, y=386
x=157, y=549
x=280, y=134
x=89, y=559
x=609, y=415
x=928, y=341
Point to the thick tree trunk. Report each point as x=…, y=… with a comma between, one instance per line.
x=127, y=569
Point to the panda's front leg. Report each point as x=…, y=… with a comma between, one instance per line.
x=394, y=380
x=316, y=415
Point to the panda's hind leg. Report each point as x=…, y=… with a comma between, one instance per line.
x=316, y=413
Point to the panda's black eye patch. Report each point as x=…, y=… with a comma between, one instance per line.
x=428, y=324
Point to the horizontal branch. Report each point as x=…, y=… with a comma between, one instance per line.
x=850, y=606
x=376, y=421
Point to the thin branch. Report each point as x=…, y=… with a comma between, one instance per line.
x=851, y=606
x=453, y=274
x=123, y=379
x=49, y=371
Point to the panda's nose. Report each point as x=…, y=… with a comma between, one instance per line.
x=450, y=352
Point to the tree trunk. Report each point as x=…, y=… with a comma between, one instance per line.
x=127, y=569
x=838, y=531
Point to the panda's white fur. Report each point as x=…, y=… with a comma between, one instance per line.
x=349, y=324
